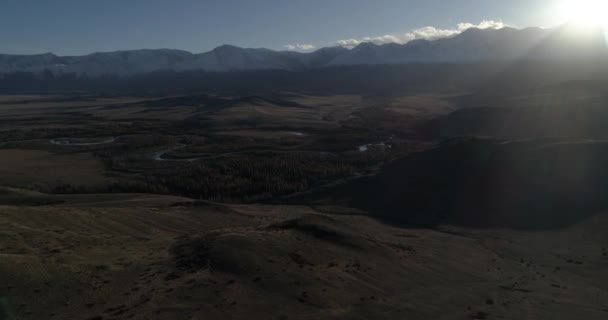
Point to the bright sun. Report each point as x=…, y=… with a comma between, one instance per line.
x=585, y=12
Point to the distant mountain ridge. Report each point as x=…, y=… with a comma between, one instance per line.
x=473, y=45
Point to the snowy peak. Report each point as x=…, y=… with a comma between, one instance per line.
x=28, y=63
x=474, y=45
x=231, y=58
x=567, y=42
x=126, y=62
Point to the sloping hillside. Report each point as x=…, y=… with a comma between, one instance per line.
x=206, y=261
x=527, y=184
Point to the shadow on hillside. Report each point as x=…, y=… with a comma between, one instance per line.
x=534, y=185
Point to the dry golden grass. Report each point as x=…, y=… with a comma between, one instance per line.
x=272, y=115
x=315, y=112
x=262, y=134
x=331, y=100
x=174, y=113
x=420, y=106
x=36, y=167
x=114, y=260
x=42, y=104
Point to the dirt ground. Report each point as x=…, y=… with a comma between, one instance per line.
x=25, y=168
x=151, y=257
x=143, y=256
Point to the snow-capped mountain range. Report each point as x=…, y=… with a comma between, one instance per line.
x=474, y=45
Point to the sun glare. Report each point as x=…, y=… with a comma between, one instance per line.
x=585, y=12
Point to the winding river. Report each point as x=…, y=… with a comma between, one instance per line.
x=160, y=155
x=365, y=147
x=71, y=142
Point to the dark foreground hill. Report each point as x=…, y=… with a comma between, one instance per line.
x=149, y=257
x=574, y=109
x=527, y=184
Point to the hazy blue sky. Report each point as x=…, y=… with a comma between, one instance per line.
x=84, y=26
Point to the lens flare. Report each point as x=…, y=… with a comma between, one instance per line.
x=591, y=13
